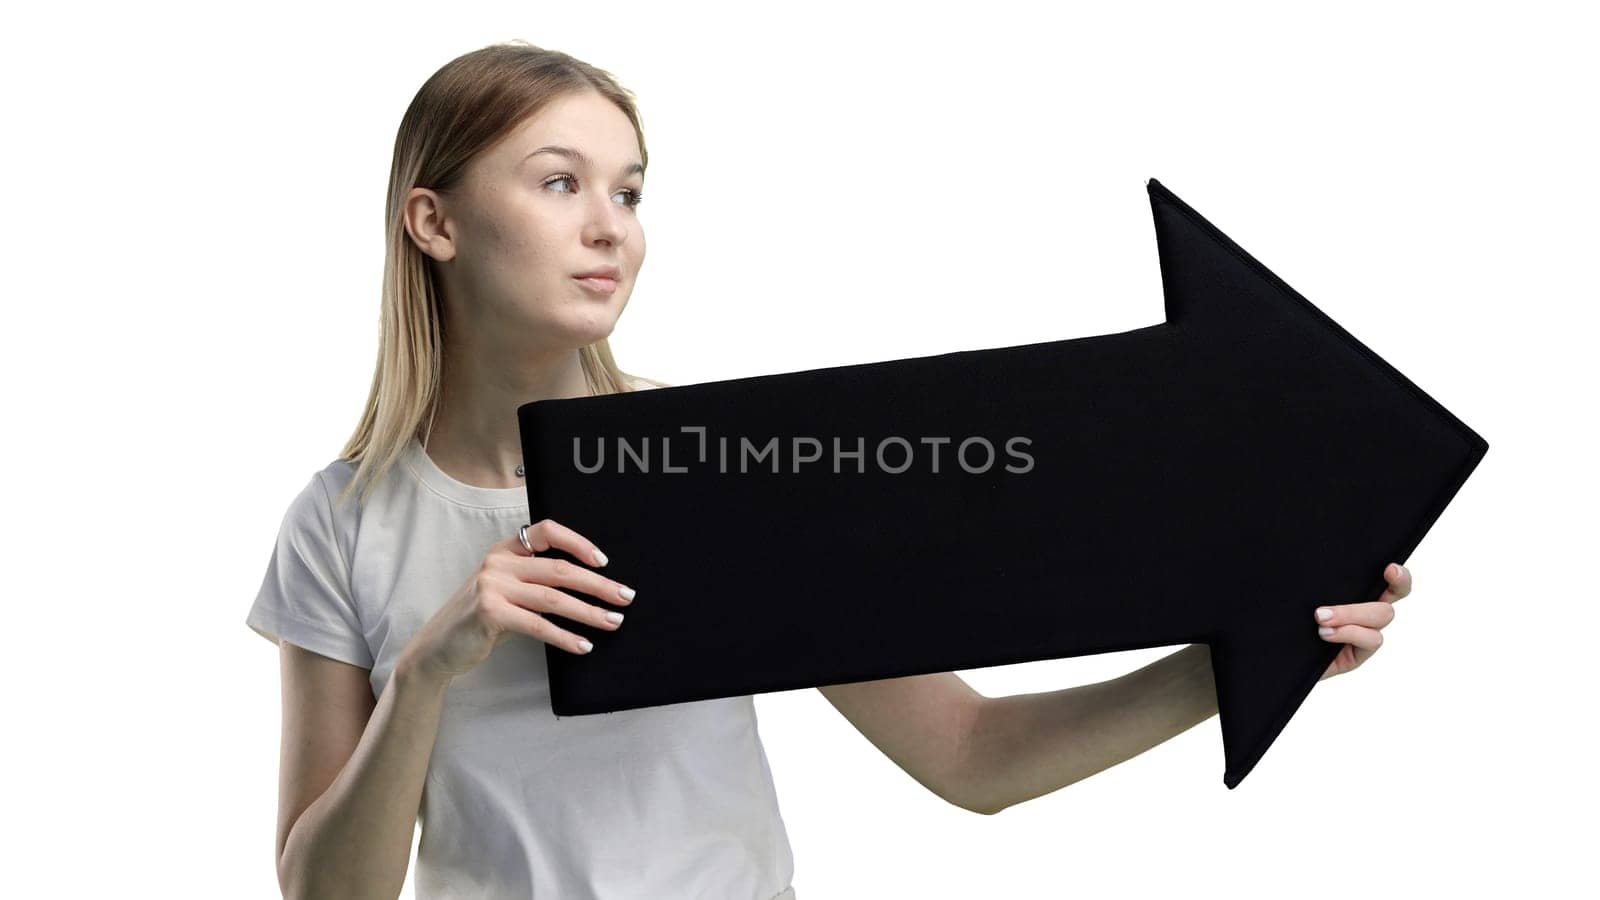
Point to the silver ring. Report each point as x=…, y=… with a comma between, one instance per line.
x=522, y=532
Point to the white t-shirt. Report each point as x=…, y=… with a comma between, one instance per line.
x=668, y=801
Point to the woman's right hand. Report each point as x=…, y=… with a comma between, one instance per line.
x=512, y=592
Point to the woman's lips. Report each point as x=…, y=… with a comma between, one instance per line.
x=598, y=284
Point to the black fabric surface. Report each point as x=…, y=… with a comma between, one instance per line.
x=1213, y=479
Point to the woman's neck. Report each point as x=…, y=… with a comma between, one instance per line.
x=475, y=437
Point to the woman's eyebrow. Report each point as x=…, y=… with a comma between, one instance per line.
x=577, y=156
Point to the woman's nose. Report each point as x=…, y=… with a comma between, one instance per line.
x=605, y=222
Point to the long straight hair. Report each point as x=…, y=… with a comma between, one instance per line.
x=465, y=107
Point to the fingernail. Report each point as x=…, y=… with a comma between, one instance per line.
x=584, y=645
x=599, y=558
x=627, y=593
x=1324, y=613
x=614, y=617
x=1324, y=631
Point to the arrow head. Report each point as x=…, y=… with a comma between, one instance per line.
x=1349, y=464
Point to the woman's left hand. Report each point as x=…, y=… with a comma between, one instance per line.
x=1359, y=626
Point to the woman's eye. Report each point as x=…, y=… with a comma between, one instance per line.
x=634, y=197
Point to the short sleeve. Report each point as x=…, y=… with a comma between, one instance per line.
x=305, y=597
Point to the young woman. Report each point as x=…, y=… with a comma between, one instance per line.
x=410, y=602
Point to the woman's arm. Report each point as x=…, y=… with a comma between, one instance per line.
x=1024, y=746
x=986, y=753
x=1027, y=745
x=919, y=722
x=351, y=775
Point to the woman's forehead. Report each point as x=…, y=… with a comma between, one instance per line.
x=591, y=127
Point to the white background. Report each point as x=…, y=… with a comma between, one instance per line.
x=194, y=203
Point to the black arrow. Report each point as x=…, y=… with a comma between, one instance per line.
x=1211, y=479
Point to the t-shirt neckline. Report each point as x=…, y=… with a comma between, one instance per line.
x=428, y=472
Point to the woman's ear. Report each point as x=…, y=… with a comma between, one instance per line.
x=427, y=225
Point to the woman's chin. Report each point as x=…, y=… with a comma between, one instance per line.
x=588, y=328
x=576, y=324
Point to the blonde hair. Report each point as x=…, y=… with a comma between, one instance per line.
x=465, y=107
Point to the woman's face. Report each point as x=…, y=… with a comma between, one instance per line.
x=552, y=201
